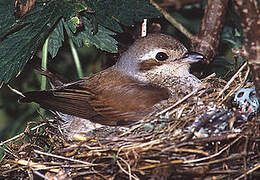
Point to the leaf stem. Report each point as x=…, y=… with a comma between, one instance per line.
x=44, y=67
x=76, y=59
x=44, y=62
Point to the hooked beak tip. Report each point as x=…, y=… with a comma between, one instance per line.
x=192, y=57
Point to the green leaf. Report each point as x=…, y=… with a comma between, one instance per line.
x=102, y=39
x=73, y=23
x=111, y=12
x=31, y=30
x=56, y=38
x=106, y=21
x=21, y=38
x=6, y=16
x=73, y=8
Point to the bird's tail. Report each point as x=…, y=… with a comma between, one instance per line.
x=55, y=79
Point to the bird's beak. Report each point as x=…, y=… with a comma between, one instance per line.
x=191, y=57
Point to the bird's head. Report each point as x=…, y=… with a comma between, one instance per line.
x=157, y=57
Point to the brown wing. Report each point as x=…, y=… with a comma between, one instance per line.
x=128, y=103
x=106, y=98
x=68, y=101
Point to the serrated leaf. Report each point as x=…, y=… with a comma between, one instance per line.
x=55, y=39
x=102, y=39
x=73, y=8
x=20, y=38
x=7, y=18
x=19, y=46
x=107, y=21
x=111, y=12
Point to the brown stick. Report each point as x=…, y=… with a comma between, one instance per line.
x=175, y=23
x=207, y=40
x=250, y=22
x=177, y=3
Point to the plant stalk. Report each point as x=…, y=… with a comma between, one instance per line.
x=76, y=59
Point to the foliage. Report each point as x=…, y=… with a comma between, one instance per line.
x=86, y=23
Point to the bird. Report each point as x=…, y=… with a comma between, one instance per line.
x=153, y=69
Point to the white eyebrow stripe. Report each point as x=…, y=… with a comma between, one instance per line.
x=152, y=54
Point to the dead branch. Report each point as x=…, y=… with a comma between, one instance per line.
x=207, y=40
x=177, y=3
x=250, y=22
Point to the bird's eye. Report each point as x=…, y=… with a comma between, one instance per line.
x=161, y=56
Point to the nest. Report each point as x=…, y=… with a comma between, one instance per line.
x=184, y=140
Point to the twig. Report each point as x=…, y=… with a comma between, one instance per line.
x=237, y=88
x=128, y=167
x=210, y=76
x=232, y=79
x=175, y=23
x=213, y=155
x=20, y=135
x=216, y=138
x=180, y=101
x=150, y=143
x=178, y=3
x=195, y=151
x=132, y=129
x=35, y=165
x=179, y=161
x=65, y=158
x=231, y=157
x=15, y=91
x=257, y=166
x=39, y=174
